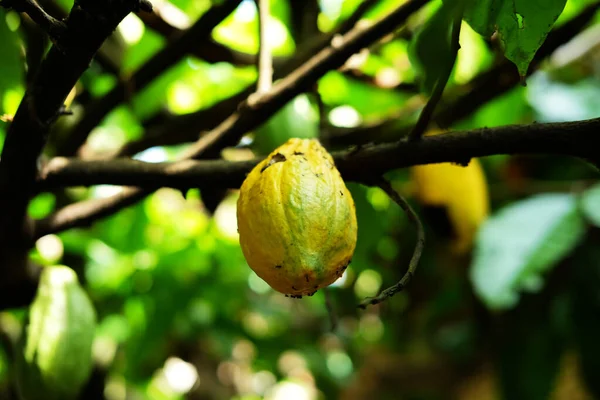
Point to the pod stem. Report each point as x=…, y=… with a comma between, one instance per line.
x=414, y=261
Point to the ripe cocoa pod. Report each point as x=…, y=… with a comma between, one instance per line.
x=296, y=219
x=56, y=358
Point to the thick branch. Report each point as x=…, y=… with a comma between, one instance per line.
x=567, y=138
x=88, y=25
x=159, y=63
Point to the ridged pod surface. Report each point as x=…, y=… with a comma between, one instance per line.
x=296, y=219
x=57, y=354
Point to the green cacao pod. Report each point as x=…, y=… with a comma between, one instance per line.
x=55, y=360
x=296, y=219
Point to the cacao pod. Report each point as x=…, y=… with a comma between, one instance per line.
x=296, y=219
x=56, y=358
x=462, y=191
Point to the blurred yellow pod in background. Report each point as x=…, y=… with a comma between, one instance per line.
x=462, y=191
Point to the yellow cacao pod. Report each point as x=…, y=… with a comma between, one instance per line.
x=297, y=219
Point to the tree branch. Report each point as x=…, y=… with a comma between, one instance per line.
x=248, y=117
x=159, y=63
x=53, y=27
x=88, y=25
x=565, y=138
x=251, y=115
x=186, y=128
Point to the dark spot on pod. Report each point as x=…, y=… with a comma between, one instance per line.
x=316, y=287
x=312, y=294
x=307, y=278
x=293, y=287
x=318, y=175
x=278, y=266
x=277, y=157
x=296, y=296
x=341, y=193
x=298, y=153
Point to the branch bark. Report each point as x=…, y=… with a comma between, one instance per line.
x=88, y=25
x=575, y=139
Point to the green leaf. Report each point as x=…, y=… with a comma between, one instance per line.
x=519, y=243
x=522, y=25
x=590, y=204
x=431, y=51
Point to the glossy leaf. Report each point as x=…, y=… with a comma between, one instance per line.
x=521, y=24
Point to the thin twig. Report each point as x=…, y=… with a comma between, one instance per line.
x=265, y=58
x=414, y=261
x=333, y=318
x=440, y=85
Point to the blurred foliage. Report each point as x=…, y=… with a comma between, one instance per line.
x=182, y=316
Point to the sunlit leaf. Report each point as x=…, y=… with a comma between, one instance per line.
x=521, y=242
